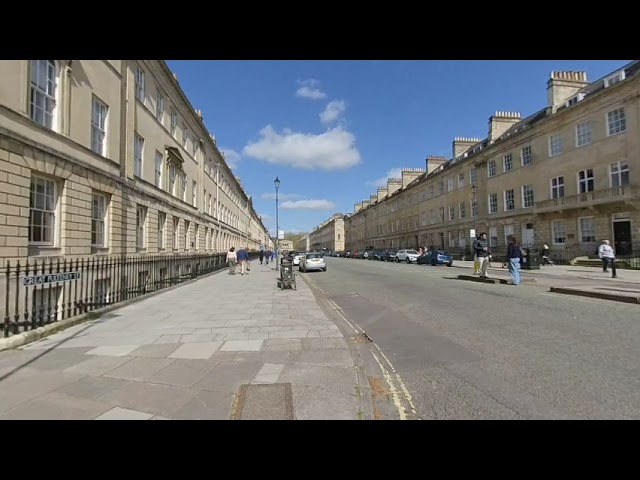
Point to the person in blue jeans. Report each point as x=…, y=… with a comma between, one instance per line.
x=515, y=256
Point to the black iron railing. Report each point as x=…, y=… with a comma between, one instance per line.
x=43, y=291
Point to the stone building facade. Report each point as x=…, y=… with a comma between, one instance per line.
x=329, y=235
x=108, y=157
x=567, y=176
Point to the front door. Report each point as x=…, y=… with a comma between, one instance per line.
x=527, y=235
x=622, y=237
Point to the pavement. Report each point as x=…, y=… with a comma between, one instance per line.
x=223, y=347
x=570, y=280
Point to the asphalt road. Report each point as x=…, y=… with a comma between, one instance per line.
x=465, y=350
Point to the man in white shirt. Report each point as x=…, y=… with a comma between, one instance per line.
x=606, y=253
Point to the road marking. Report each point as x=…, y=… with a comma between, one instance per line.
x=338, y=310
x=402, y=385
x=392, y=387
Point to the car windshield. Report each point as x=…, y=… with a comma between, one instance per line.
x=411, y=252
x=314, y=255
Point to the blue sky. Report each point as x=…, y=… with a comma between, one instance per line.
x=332, y=130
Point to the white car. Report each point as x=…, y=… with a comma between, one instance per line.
x=313, y=261
x=296, y=258
x=409, y=256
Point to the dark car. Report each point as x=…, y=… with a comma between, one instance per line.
x=436, y=257
x=388, y=255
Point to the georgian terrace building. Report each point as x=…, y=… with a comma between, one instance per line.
x=330, y=234
x=101, y=157
x=568, y=176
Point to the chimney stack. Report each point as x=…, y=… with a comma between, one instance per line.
x=434, y=161
x=561, y=86
x=500, y=122
x=461, y=144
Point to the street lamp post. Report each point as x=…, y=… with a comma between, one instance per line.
x=276, y=182
x=219, y=239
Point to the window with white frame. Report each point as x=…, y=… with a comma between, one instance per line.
x=509, y=200
x=616, y=121
x=174, y=123
x=526, y=156
x=184, y=187
x=528, y=197
x=138, y=154
x=558, y=232
x=185, y=136
x=507, y=163
x=474, y=208
x=452, y=239
x=162, y=224
x=159, y=106
x=614, y=78
x=441, y=212
x=441, y=188
x=197, y=237
x=176, y=227
x=452, y=213
x=493, y=203
x=450, y=184
x=461, y=210
x=187, y=234
x=433, y=216
x=99, y=112
x=583, y=134
x=43, y=95
x=140, y=83
x=555, y=145
x=619, y=173
x=194, y=193
x=493, y=236
x=99, y=220
x=43, y=211
x=473, y=175
x=159, y=167
x=585, y=181
x=209, y=204
x=460, y=180
x=557, y=187
x=207, y=240
x=491, y=168
x=587, y=229
x=141, y=222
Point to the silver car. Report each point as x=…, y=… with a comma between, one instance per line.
x=409, y=256
x=313, y=261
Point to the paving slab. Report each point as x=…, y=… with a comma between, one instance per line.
x=188, y=354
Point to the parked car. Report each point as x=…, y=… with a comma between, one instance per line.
x=436, y=257
x=407, y=255
x=388, y=256
x=296, y=258
x=313, y=261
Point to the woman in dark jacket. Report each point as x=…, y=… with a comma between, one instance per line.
x=514, y=254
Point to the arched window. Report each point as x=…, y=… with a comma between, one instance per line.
x=44, y=93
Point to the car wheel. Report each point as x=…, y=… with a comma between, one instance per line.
x=450, y=264
x=433, y=263
x=408, y=260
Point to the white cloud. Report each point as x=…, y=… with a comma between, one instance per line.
x=308, y=205
x=334, y=149
x=382, y=181
x=281, y=196
x=310, y=89
x=333, y=111
x=231, y=157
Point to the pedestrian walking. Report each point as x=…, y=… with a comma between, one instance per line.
x=243, y=259
x=482, y=251
x=267, y=256
x=261, y=256
x=546, y=260
x=232, y=260
x=608, y=256
x=515, y=258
